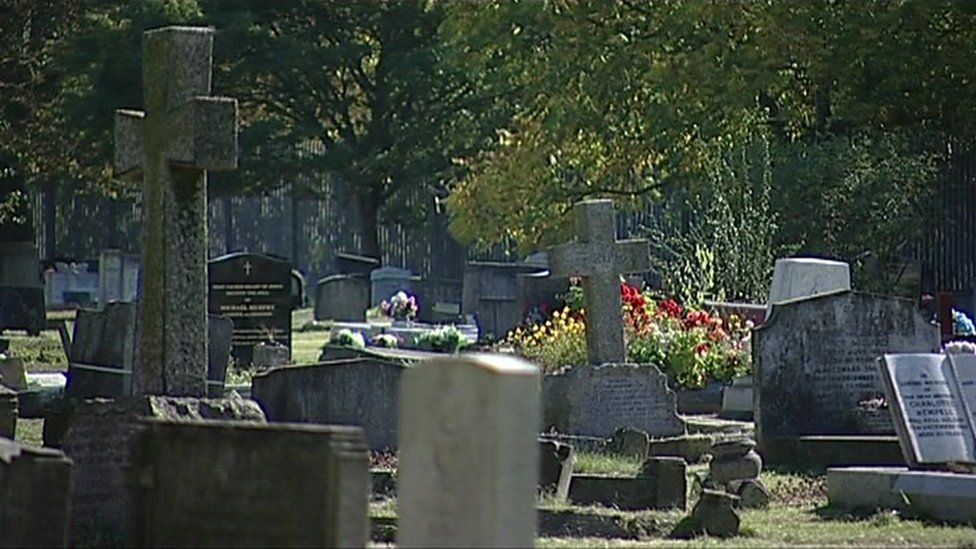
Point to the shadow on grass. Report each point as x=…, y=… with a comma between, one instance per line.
x=880, y=517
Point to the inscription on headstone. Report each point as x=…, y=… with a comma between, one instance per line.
x=815, y=362
x=596, y=400
x=930, y=412
x=254, y=291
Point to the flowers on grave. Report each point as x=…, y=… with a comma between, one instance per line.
x=400, y=306
x=348, y=338
x=959, y=348
x=389, y=341
x=690, y=345
x=962, y=324
x=447, y=339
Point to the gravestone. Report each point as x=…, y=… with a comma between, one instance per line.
x=254, y=291
x=932, y=414
x=220, y=332
x=21, y=288
x=597, y=400
x=599, y=259
x=8, y=412
x=225, y=484
x=386, y=281
x=438, y=300
x=815, y=363
x=468, y=453
x=184, y=133
x=491, y=293
x=342, y=297
x=797, y=277
x=118, y=277
x=35, y=491
x=69, y=285
x=360, y=392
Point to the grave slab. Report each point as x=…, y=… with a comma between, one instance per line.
x=596, y=400
x=802, y=277
x=35, y=494
x=932, y=495
x=469, y=457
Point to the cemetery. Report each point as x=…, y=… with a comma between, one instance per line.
x=448, y=275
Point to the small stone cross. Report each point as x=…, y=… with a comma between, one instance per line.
x=247, y=268
x=183, y=133
x=599, y=259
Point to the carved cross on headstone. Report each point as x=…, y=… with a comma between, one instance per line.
x=599, y=259
x=182, y=134
x=247, y=268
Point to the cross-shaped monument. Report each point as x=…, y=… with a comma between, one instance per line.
x=599, y=259
x=182, y=134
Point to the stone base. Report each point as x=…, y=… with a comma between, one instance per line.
x=820, y=452
x=927, y=494
x=35, y=488
x=97, y=435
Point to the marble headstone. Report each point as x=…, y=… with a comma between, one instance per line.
x=796, y=277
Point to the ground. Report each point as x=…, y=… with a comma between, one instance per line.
x=798, y=514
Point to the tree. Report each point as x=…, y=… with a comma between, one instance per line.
x=351, y=90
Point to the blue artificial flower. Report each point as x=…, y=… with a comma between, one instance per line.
x=962, y=324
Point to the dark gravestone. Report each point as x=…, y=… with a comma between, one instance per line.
x=98, y=434
x=491, y=293
x=816, y=363
x=8, y=412
x=556, y=461
x=101, y=354
x=342, y=297
x=35, y=491
x=254, y=291
x=210, y=484
x=21, y=288
x=386, y=281
x=439, y=300
x=361, y=392
x=597, y=400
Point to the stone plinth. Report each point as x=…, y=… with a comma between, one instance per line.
x=927, y=494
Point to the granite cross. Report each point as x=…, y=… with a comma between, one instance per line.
x=599, y=259
x=183, y=134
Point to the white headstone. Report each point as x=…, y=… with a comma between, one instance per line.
x=798, y=277
x=469, y=458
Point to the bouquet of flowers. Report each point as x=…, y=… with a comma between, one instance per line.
x=401, y=306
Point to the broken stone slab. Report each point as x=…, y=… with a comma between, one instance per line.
x=714, y=515
x=35, y=491
x=629, y=442
x=752, y=493
x=556, y=460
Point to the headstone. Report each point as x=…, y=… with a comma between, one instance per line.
x=468, y=453
x=70, y=285
x=438, y=300
x=342, y=297
x=815, y=363
x=220, y=332
x=714, y=515
x=35, y=491
x=13, y=374
x=118, y=277
x=737, y=399
x=669, y=481
x=254, y=291
x=599, y=259
x=270, y=354
x=8, y=412
x=360, y=392
x=184, y=133
x=596, y=400
x=297, y=289
x=556, y=460
x=491, y=293
x=930, y=410
x=797, y=277
x=386, y=281
x=98, y=434
x=217, y=483
x=21, y=288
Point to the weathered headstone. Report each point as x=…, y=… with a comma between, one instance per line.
x=35, y=491
x=556, y=460
x=21, y=288
x=361, y=392
x=118, y=277
x=491, y=293
x=214, y=483
x=815, y=363
x=929, y=410
x=801, y=277
x=386, y=281
x=220, y=332
x=599, y=259
x=254, y=291
x=596, y=400
x=184, y=133
x=468, y=452
x=342, y=297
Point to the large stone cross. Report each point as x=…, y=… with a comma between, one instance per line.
x=182, y=134
x=599, y=259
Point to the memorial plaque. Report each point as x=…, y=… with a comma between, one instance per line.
x=816, y=362
x=929, y=410
x=596, y=400
x=254, y=291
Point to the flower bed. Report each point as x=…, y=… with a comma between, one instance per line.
x=691, y=346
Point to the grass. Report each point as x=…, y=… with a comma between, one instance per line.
x=41, y=354
x=605, y=464
x=30, y=431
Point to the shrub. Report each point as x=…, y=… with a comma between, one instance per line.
x=446, y=339
x=554, y=343
x=348, y=338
